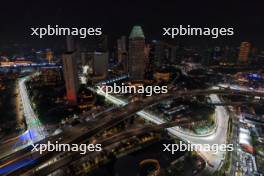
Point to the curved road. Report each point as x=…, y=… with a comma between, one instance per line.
x=217, y=137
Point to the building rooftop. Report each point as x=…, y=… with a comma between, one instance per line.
x=137, y=32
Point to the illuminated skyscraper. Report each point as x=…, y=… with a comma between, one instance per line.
x=70, y=72
x=244, y=51
x=137, y=61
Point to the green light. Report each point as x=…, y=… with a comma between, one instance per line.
x=136, y=32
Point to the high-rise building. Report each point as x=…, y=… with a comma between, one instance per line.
x=122, y=55
x=137, y=61
x=147, y=53
x=125, y=62
x=100, y=64
x=121, y=48
x=70, y=45
x=51, y=77
x=70, y=72
x=159, y=53
x=162, y=53
x=95, y=43
x=244, y=51
x=70, y=76
x=95, y=64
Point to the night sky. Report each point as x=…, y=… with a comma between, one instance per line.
x=118, y=16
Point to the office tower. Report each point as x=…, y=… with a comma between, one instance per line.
x=162, y=53
x=244, y=51
x=102, y=43
x=159, y=53
x=122, y=55
x=70, y=46
x=137, y=61
x=147, y=53
x=95, y=43
x=84, y=59
x=121, y=48
x=70, y=71
x=50, y=77
x=100, y=64
x=125, y=63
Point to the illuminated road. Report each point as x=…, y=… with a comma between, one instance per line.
x=218, y=136
x=36, y=130
x=73, y=159
x=240, y=88
x=83, y=132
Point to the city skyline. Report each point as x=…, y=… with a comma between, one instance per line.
x=137, y=88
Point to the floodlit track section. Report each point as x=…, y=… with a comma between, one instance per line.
x=35, y=132
x=35, y=129
x=218, y=136
x=83, y=132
